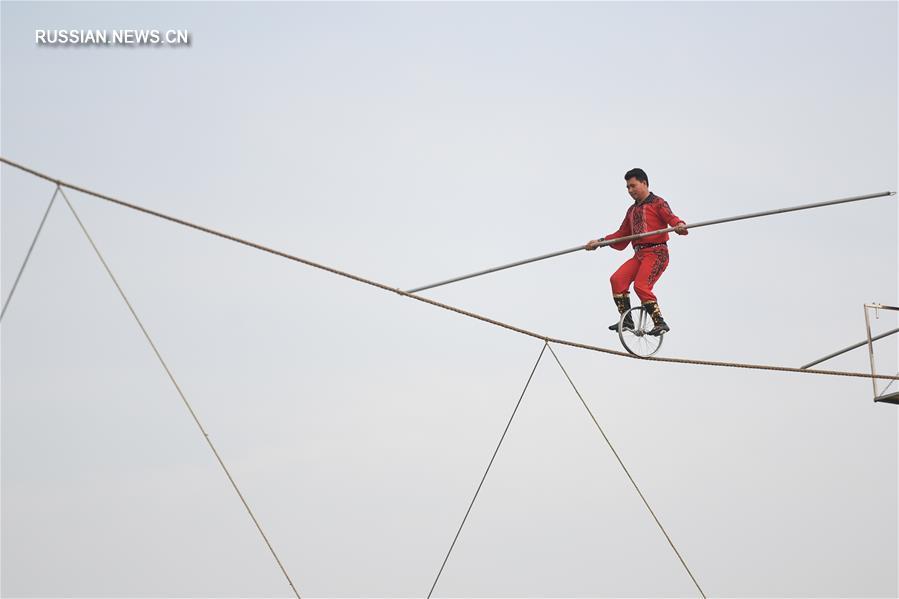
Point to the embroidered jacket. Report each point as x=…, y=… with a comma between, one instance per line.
x=651, y=214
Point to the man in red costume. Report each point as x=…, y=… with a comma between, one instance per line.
x=649, y=212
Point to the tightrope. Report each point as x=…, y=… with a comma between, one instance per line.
x=457, y=310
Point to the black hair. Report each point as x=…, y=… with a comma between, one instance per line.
x=637, y=173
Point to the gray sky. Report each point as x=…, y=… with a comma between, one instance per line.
x=408, y=143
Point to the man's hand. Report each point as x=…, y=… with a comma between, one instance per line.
x=592, y=244
x=681, y=228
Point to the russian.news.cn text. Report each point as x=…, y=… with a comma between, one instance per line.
x=114, y=37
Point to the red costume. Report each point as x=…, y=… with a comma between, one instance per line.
x=651, y=253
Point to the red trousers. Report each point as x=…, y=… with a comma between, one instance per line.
x=643, y=270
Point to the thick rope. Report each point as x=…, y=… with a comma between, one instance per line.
x=440, y=304
x=483, y=478
x=631, y=478
x=181, y=393
x=28, y=255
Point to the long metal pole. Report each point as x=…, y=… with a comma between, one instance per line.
x=647, y=234
x=851, y=347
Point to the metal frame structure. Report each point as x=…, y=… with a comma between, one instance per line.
x=878, y=397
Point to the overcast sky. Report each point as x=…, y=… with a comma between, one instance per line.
x=408, y=143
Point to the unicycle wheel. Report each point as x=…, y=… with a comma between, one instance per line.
x=639, y=342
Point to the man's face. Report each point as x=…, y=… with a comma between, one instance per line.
x=638, y=189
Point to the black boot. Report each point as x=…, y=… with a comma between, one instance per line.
x=623, y=302
x=660, y=325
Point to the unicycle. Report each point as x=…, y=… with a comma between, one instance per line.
x=639, y=342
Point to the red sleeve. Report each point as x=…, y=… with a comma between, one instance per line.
x=669, y=217
x=623, y=231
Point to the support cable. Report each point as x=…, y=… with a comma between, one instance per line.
x=449, y=307
x=28, y=255
x=483, y=478
x=631, y=478
x=887, y=388
x=181, y=393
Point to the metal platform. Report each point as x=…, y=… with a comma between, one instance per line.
x=889, y=398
